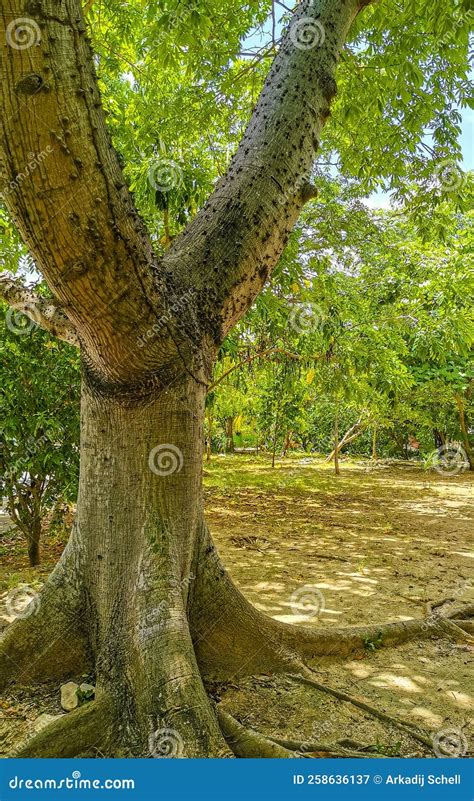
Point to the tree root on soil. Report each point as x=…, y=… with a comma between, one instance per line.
x=258, y=644
x=248, y=743
x=406, y=726
x=72, y=734
x=337, y=750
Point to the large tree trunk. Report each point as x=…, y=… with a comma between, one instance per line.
x=138, y=536
x=139, y=591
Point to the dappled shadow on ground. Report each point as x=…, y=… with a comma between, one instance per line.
x=377, y=544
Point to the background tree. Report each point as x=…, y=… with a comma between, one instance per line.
x=39, y=454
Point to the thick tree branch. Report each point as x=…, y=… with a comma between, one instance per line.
x=62, y=183
x=232, y=245
x=40, y=310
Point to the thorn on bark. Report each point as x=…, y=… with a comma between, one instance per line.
x=31, y=84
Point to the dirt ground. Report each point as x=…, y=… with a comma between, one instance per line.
x=375, y=544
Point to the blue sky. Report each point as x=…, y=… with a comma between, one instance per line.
x=381, y=199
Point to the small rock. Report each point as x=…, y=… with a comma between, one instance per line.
x=86, y=691
x=69, y=697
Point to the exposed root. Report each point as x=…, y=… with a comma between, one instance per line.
x=248, y=743
x=232, y=638
x=313, y=749
x=72, y=734
x=406, y=726
x=457, y=633
x=465, y=625
x=464, y=613
x=47, y=640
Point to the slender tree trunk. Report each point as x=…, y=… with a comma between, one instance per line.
x=374, y=442
x=351, y=434
x=34, y=538
x=464, y=432
x=286, y=443
x=336, y=442
x=229, y=434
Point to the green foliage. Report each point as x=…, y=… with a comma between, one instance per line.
x=373, y=643
x=40, y=420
